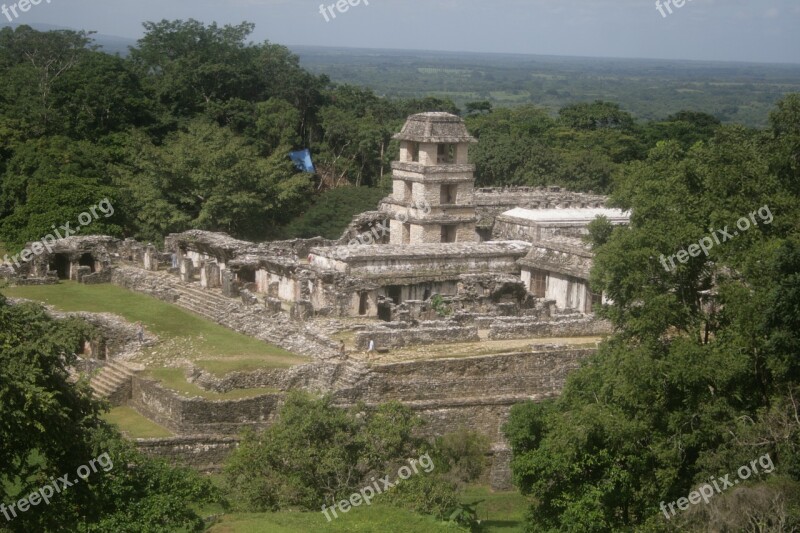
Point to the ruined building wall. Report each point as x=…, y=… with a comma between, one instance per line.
x=492, y=201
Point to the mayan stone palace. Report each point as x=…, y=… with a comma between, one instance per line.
x=474, y=298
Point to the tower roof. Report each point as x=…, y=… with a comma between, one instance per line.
x=435, y=127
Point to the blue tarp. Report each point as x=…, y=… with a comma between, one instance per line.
x=302, y=160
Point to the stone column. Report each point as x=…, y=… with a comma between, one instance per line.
x=230, y=287
x=187, y=270
x=204, y=277
x=211, y=272
x=151, y=258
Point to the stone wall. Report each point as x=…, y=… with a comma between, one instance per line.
x=205, y=453
x=523, y=328
x=139, y=281
x=199, y=416
x=433, y=386
x=475, y=393
x=157, y=403
x=395, y=338
x=533, y=375
x=492, y=201
x=500, y=477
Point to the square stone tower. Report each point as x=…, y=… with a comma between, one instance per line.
x=433, y=183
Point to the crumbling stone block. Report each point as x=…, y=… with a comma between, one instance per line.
x=210, y=275
x=248, y=298
x=230, y=287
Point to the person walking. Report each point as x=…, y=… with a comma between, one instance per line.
x=371, y=348
x=140, y=333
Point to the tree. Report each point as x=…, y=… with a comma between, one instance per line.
x=51, y=181
x=315, y=452
x=189, y=65
x=332, y=211
x=479, y=107
x=685, y=127
x=100, y=96
x=597, y=115
x=277, y=124
x=39, y=60
x=208, y=178
x=50, y=426
x=700, y=376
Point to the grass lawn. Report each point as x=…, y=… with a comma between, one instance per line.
x=182, y=334
x=174, y=378
x=221, y=367
x=501, y=512
x=135, y=425
x=376, y=518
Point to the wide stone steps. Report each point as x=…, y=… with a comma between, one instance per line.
x=113, y=376
x=208, y=303
x=205, y=295
x=198, y=309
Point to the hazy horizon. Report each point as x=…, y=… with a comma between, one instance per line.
x=700, y=30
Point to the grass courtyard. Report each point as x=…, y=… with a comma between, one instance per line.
x=134, y=425
x=181, y=335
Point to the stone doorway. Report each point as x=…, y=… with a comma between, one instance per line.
x=61, y=264
x=87, y=260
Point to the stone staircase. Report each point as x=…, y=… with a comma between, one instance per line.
x=208, y=303
x=112, y=379
x=252, y=320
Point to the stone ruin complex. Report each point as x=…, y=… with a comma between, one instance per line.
x=438, y=262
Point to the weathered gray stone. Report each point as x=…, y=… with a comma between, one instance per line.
x=205, y=453
x=395, y=338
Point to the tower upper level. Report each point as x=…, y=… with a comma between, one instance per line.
x=433, y=139
x=433, y=171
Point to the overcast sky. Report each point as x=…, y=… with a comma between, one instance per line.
x=730, y=30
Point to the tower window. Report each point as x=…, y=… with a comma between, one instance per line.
x=413, y=150
x=446, y=153
x=449, y=194
x=449, y=233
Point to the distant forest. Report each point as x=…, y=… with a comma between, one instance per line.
x=648, y=88
x=194, y=126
